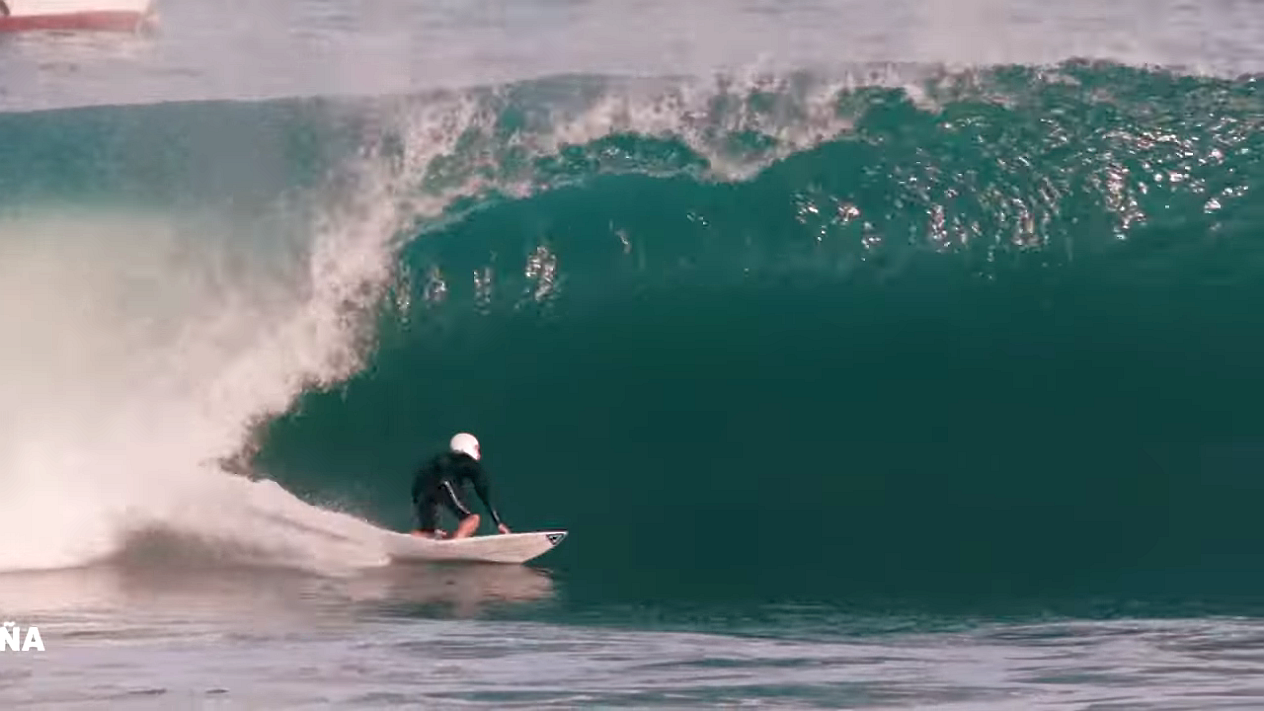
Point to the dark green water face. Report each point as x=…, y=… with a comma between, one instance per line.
x=1007, y=346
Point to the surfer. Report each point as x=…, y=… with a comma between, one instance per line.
x=440, y=482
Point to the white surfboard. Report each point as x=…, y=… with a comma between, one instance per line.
x=496, y=548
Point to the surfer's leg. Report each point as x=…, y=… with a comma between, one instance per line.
x=469, y=520
x=427, y=517
x=468, y=526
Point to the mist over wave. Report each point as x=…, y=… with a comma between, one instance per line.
x=151, y=311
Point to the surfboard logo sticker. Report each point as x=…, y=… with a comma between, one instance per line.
x=554, y=537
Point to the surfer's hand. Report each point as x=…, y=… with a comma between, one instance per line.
x=504, y=528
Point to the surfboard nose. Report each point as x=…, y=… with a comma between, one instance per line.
x=556, y=537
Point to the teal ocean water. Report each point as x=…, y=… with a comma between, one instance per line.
x=921, y=374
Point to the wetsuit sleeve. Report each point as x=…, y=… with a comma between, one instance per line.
x=483, y=490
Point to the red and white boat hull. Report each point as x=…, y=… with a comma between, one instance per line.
x=116, y=15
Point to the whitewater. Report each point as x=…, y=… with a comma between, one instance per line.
x=154, y=339
x=960, y=292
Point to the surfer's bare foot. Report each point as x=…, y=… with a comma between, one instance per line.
x=504, y=528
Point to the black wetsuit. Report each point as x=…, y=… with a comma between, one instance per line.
x=441, y=481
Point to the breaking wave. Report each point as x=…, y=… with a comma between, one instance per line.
x=949, y=327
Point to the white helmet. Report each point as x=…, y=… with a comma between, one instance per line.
x=466, y=444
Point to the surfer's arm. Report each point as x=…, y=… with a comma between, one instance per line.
x=484, y=493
